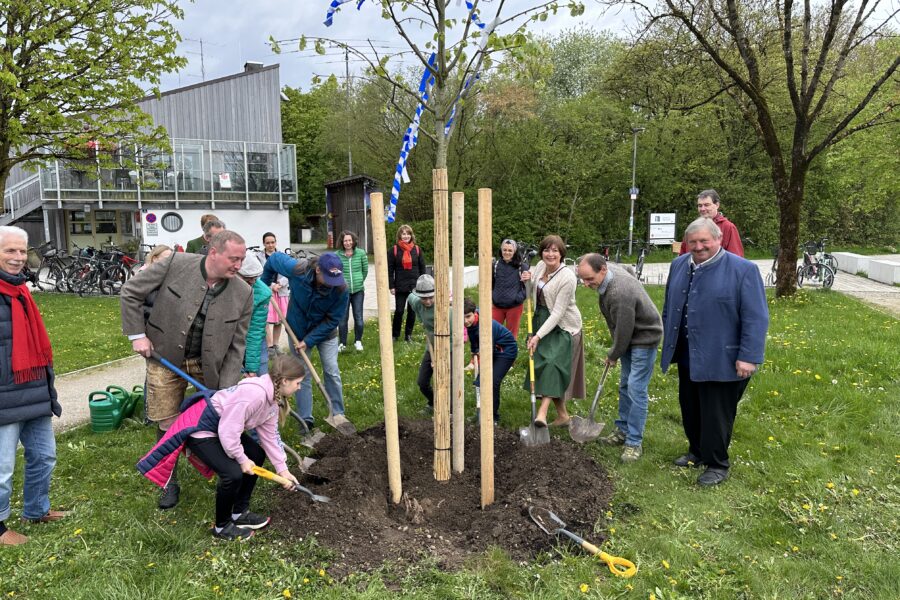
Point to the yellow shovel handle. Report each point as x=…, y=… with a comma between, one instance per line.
x=620, y=567
x=267, y=474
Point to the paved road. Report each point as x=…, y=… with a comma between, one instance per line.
x=74, y=387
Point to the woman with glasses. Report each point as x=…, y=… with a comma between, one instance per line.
x=508, y=297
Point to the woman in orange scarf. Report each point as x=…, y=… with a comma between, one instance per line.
x=405, y=264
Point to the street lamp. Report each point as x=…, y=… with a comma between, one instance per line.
x=634, y=190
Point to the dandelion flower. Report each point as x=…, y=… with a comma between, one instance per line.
x=855, y=492
x=818, y=376
x=829, y=485
x=584, y=588
x=665, y=564
x=286, y=593
x=321, y=572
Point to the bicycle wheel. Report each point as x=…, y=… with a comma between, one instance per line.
x=826, y=276
x=112, y=280
x=830, y=261
x=804, y=272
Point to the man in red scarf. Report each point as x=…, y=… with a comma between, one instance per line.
x=27, y=396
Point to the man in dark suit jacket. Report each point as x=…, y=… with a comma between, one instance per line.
x=198, y=321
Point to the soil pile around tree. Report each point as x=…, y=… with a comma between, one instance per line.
x=441, y=520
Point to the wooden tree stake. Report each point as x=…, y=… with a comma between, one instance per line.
x=457, y=375
x=486, y=344
x=388, y=379
x=441, y=326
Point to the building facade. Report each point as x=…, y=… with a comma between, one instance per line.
x=225, y=157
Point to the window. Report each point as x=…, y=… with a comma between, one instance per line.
x=105, y=220
x=172, y=222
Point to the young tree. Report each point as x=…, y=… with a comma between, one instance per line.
x=784, y=65
x=72, y=71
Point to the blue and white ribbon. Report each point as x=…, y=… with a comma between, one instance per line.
x=329, y=16
x=485, y=35
x=474, y=15
x=410, y=138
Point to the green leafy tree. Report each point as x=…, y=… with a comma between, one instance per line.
x=72, y=71
x=784, y=66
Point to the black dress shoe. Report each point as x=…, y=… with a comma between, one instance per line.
x=169, y=497
x=712, y=476
x=687, y=460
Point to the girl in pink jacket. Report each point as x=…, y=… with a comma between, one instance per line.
x=259, y=403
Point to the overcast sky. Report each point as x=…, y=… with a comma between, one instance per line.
x=236, y=31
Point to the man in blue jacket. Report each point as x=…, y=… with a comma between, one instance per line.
x=715, y=320
x=319, y=299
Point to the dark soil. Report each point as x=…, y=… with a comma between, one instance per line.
x=440, y=520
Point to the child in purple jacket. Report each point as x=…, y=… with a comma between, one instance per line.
x=259, y=403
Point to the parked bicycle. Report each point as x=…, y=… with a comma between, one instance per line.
x=645, y=249
x=813, y=272
x=818, y=249
x=772, y=275
x=605, y=249
x=54, y=263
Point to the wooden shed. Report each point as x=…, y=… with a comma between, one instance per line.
x=347, y=202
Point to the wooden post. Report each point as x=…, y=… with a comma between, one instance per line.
x=441, y=326
x=457, y=375
x=388, y=379
x=486, y=344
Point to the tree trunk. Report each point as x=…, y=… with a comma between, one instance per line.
x=790, y=201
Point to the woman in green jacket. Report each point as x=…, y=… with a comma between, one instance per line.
x=356, y=267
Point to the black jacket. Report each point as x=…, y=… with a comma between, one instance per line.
x=400, y=279
x=22, y=401
x=509, y=290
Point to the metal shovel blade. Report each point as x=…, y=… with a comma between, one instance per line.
x=546, y=520
x=342, y=424
x=533, y=435
x=587, y=430
x=313, y=496
x=309, y=437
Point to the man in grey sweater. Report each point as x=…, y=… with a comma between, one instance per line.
x=636, y=329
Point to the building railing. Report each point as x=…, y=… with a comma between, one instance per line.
x=190, y=171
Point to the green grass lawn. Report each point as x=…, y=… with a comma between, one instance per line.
x=811, y=509
x=83, y=331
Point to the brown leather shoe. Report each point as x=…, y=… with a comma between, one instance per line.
x=51, y=516
x=11, y=538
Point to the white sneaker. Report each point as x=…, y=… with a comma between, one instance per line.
x=341, y=347
x=358, y=346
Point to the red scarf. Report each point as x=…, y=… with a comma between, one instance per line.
x=407, y=256
x=31, y=352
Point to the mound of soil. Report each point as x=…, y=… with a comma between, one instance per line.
x=442, y=520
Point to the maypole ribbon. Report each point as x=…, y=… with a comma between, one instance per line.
x=329, y=16
x=410, y=138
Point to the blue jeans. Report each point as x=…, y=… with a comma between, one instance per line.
x=637, y=367
x=328, y=352
x=356, y=304
x=263, y=358
x=37, y=437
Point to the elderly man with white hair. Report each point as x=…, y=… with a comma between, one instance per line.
x=715, y=320
x=27, y=396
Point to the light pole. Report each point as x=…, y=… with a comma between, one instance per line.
x=634, y=190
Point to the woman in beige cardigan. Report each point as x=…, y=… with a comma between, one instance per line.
x=556, y=344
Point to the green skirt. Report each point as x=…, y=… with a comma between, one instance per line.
x=552, y=359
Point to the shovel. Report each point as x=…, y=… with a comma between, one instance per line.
x=587, y=430
x=553, y=525
x=309, y=440
x=477, y=391
x=533, y=435
x=339, y=422
x=267, y=474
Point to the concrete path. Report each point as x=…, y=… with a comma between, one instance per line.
x=74, y=388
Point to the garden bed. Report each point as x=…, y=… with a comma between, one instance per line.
x=435, y=520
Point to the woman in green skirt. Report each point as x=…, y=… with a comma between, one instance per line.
x=556, y=344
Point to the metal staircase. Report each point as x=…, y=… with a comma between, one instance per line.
x=21, y=199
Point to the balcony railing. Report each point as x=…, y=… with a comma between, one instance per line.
x=191, y=171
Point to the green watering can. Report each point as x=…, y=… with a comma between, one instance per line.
x=106, y=411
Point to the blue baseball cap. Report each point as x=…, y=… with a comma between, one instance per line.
x=332, y=269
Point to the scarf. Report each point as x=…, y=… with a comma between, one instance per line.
x=31, y=352
x=407, y=255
